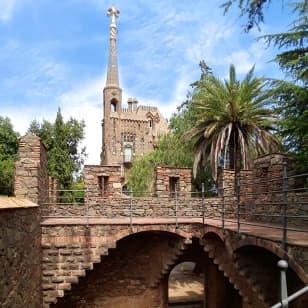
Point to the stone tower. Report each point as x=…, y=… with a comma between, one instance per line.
x=131, y=131
x=112, y=92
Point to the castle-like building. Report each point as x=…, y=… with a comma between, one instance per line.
x=131, y=131
x=127, y=133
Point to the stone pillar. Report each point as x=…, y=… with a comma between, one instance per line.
x=215, y=292
x=31, y=178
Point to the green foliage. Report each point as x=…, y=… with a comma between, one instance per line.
x=292, y=106
x=291, y=97
x=233, y=121
x=252, y=9
x=8, y=152
x=171, y=151
x=294, y=60
x=62, y=140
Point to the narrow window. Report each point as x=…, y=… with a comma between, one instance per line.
x=113, y=144
x=103, y=185
x=150, y=123
x=173, y=186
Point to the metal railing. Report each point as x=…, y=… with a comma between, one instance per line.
x=284, y=298
x=275, y=203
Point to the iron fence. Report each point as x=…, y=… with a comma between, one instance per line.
x=278, y=203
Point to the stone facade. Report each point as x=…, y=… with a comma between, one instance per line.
x=130, y=132
x=124, y=275
x=20, y=254
x=127, y=132
x=102, y=181
x=31, y=178
x=170, y=181
x=138, y=207
x=262, y=195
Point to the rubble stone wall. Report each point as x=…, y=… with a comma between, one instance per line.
x=163, y=176
x=20, y=257
x=140, y=207
x=31, y=177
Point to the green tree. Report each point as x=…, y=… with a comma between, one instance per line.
x=171, y=151
x=62, y=140
x=233, y=121
x=291, y=96
x=252, y=9
x=8, y=153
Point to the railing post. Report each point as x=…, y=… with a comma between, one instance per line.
x=283, y=265
x=87, y=206
x=176, y=209
x=285, y=207
x=223, y=203
x=131, y=208
x=203, y=209
x=238, y=187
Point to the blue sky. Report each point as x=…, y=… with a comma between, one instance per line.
x=53, y=53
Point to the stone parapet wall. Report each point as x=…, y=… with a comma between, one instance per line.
x=102, y=181
x=139, y=207
x=20, y=255
x=163, y=176
x=31, y=178
x=270, y=209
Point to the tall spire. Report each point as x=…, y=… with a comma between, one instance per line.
x=112, y=73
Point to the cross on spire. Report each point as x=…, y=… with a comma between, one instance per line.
x=114, y=13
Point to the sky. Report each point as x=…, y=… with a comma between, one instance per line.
x=54, y=53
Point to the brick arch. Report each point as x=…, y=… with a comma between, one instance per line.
x=259, y=266
x=152, y=228
x=276, y=250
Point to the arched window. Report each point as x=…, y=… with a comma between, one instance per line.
x=113, y=105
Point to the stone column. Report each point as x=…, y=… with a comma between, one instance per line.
x=31, y=178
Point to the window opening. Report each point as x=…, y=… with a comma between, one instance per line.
x=103, y=185
x=173, y=186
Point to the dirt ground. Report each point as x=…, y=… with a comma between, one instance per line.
x=185, y=285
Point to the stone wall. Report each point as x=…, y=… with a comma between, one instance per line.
x=261, y=197
x=20, y=254
x=171, y=179
x=112, y=206
x=102, y=181
x=31, y=178
x=268, y=172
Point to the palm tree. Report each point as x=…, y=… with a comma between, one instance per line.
x=233, y=121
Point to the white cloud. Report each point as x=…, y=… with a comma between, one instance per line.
x=6, y=9
x=85, y=102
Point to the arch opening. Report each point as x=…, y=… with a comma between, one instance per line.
x=113, y=105
x=186, y=286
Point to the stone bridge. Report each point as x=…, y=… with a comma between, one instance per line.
x=118, y=250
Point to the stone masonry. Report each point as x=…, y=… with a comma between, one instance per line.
x=31, y=178
x=20, y=254
x=171, y=179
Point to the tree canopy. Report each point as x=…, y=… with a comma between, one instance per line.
x=290, y=94
x=62, y=140
x=233, y=121
x=8, y=152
